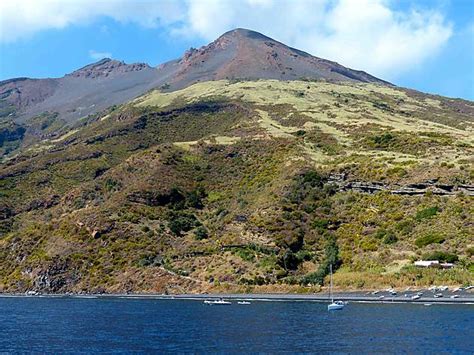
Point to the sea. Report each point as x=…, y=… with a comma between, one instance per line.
x=73, y=325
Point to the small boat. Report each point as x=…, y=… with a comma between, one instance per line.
x=334, y=306
x=454, y=296
x=415, y=297
x=337, y=305
x=220, y=302
x=438, y=295
x=243, y=302
x=427, y=304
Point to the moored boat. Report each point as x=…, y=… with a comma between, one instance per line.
x=334, y=305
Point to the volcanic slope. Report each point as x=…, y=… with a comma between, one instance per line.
x=238, y=54
x=244, y=186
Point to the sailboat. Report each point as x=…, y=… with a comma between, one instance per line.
x=334, y=306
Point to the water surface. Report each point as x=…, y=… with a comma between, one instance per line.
x=118, y=325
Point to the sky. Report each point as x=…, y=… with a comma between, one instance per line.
x=426, y=45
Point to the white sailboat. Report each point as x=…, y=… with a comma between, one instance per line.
x=337, y=305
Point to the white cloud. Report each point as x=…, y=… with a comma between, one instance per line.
x=22, y=18
x=99, y=55
x=362, y=34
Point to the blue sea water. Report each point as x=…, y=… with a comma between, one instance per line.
x=118, y=325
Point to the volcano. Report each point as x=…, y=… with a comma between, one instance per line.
x=239, y=54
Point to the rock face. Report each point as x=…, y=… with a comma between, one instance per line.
x=238, y=54
x=22, y=93
x=410, y=189
x=107, y=67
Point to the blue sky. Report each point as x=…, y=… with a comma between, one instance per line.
x=425, y=45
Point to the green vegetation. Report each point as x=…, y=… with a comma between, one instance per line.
x=233, y=186
x=331, y=259
x=426, y=213
x=441, y=256
x=428, y=239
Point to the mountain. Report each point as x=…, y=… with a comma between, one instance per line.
x=245, y=54
x=78, y=94
x=238, y=54
x=237, y=184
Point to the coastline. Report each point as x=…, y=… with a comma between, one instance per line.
x=356, y=297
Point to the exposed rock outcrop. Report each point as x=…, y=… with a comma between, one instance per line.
x=414, y=189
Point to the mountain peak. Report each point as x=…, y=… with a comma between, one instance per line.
x=245, y=54
x=244, y=33
x=106, y=67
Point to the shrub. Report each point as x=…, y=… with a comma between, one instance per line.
x=195, y=197
x=331, y=258
x=308, y=185
x=369, y=245
x=315, y=278
x=380, y=233
x=150, y=260
x=292, y=240
x=429, y=239
x=320, y=224
x=182, y=222
x=441, y=256
x=383, y=140
x=405, y=227
x=289, y=261
x=390, y=238
x=112, y=185
x=201, y=233
x=427, y=213
x=246, y=254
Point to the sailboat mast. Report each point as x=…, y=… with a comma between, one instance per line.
x=330, y=287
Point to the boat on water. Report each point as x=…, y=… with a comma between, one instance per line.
x=334, y=305
x=243, y=302
x=219, y=302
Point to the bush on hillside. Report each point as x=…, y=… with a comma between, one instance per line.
x=441, y=256
x=429, y=239
x=201, y=233
x=427, y=213
x=182, y=222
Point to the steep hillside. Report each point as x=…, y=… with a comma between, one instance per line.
x=244, y=186
x=238, y=54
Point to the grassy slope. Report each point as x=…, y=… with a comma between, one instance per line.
x=222, y=186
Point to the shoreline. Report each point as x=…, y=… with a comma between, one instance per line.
x=356, y=297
